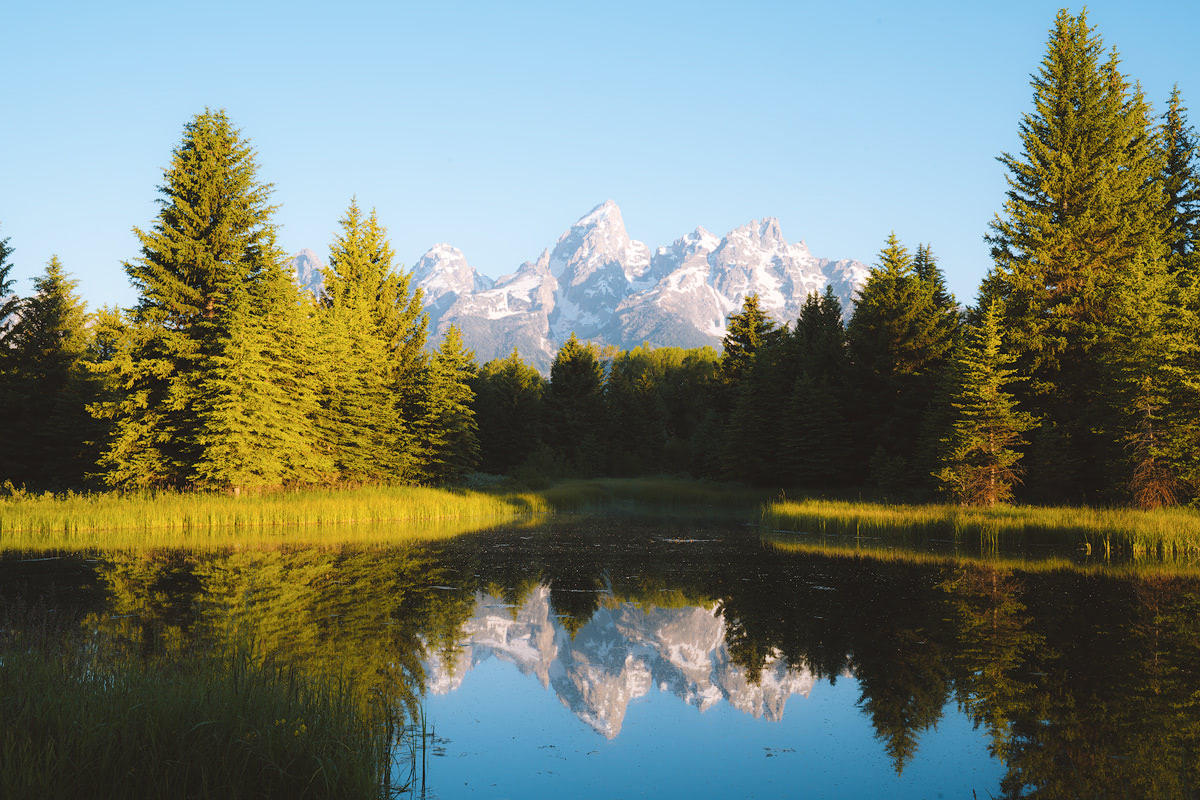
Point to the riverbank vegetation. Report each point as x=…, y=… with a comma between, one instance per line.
x=78, y=723
x=1162, y=535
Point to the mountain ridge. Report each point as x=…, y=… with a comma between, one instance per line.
x=601, y=285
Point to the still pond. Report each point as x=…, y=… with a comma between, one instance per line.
x=614, y=657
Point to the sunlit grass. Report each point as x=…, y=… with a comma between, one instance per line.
x=195, y=519
x=1106, y=533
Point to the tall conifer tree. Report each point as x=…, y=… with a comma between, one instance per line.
x=207, y=255
x=47, y=388
x=509, y=396
x=1181, y=184
x=899, y=338
x=375, y=332
x=981, y=453
x=575, y=405
x=1083, y=202
x=448, y=428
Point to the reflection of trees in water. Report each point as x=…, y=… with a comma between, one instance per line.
x=1087, y=684
x=365, y=616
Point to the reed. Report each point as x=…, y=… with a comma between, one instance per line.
x=75, y=725
x=1164, y=535
x=197, y=519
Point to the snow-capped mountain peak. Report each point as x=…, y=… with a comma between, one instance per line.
x=602, y=285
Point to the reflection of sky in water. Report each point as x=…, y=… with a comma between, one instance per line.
x=506, y=736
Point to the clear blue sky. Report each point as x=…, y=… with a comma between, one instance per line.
x=493, y=126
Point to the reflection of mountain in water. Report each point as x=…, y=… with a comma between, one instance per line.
x=617, y=657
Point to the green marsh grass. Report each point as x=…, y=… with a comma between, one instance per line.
x=195, y=519
x=73, y=724
x=1166, y=535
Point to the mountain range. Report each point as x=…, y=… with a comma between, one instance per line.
x=621, y=654
x=604, y=287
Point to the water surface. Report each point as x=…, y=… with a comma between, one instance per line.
x=616, y=657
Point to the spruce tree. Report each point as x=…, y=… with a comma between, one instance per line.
x=448, y=428
x=47, y=387
x=209, y=247
x=257, y=399
x=899, y=339
x=575, y=405
x=747, y=331
x=508, y=411
x=981, y=453
x=1083, y=202
x=8, y=300
x=815, y=433
x=373, y=399
x=1181, y=184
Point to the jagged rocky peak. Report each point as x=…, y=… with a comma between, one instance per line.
x=444, y=274
x=600, y=284
x=307, y=266
x=597, y=240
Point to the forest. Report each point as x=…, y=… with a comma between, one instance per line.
x=1074, y=378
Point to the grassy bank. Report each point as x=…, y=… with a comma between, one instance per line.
x=199, y=519
x=1167, y=534
x=73, y=725
x=332, y=516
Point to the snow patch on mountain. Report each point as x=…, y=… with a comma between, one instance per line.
x=620, y=655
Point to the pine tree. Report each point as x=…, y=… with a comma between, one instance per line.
x=508, y=410
x=898, y=341
x=1083, y=201
x=448, y=427
x=748, y=330
x=210, y=245
x=1181, y=184
x=815, y=435
x=575, y=405
x=258, y=400
x=980, y=455
x=47, y=388
x=373, y=400
x=8, y=300
x=1155, y=408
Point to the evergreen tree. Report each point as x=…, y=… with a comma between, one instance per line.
x=210, y=249
x=257, y=397
x=575, y=405
x=1181, y=184
x=1083, y=201
x=815, y=433
x=748, y=330
x=373, y=398
x=980, y=456
x=898, y=341
x=448, y=429
x=47, y=388
x=1157, y=412
x=508, y=410
x=8, y=300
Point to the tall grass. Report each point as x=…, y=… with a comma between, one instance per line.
x=198, y=519
x=1167, y=534
x=74, y=725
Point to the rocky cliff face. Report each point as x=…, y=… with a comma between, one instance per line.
x=621, y=654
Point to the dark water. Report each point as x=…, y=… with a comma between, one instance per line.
x=611, y=657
